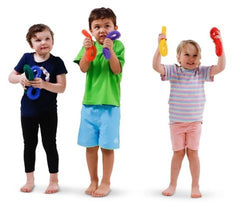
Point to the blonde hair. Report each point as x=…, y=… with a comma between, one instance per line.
x=183, y=43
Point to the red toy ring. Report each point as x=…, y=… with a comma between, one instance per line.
x=92, y=51
x=218, y=43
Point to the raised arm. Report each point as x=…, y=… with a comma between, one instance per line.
x=84, y=64
x=113, y=61
x=216, y=69
x=157, y=65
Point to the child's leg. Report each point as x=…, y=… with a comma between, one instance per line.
x=48, y=126
x=28, y=187
x=108, y=160
x=30, y=136
x=195, y=172
x=92, y=162
x=175, y=169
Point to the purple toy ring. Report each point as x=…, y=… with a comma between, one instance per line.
x=113, y=35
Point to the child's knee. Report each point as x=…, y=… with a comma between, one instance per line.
x=107, y=151
x=180, y=154
x=92, y=150
x=192, y=154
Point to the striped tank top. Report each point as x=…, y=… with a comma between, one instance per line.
x=187, y=96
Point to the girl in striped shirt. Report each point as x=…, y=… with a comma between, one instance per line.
x=186, y=104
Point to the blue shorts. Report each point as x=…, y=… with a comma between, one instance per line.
x=99, y=126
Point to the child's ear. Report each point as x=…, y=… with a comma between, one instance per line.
x=116, y=27
x=178, y=59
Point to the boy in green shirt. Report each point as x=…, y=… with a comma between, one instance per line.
x=100, y=116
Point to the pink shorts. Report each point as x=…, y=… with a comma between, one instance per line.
x=185, y=134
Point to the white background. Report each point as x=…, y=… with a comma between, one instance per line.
x=142, y=164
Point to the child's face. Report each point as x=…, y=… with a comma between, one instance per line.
x=42, y=42
x=101, y=27
x=189, y=57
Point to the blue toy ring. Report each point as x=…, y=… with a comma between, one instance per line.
x=113, y=35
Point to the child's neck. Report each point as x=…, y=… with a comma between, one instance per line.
x=41, y=58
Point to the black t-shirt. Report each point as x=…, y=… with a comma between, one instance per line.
x=47, y=102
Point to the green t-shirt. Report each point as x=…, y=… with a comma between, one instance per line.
x=102, y=85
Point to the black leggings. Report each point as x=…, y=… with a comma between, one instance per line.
x=48, y=127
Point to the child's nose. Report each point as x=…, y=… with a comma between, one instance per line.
x=192, y=58
x=102, y=29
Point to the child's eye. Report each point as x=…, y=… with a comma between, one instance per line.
x=187, y=54
x=195, y=55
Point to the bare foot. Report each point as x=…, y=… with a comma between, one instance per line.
x=28, y=187
x=102, y=191
x=196, y=192
x=169, y=191
x=92, y=187
x=53, y=187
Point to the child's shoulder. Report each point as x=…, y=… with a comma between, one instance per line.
x=118, y=42
x=28, y=55
x=172, y=67
x=56, y=58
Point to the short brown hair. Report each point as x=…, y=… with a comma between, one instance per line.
x=101, y=13
x=35, y=29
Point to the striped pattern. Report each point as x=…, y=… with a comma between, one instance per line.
x=187, y=96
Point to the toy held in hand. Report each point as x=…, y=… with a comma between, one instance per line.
x=218, y=43
x=113, y=35
x=31, y=73
x=163, y=48
x=92, y=51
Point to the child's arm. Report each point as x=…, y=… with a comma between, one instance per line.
x=157, y=65
x=16, y=77
x=83, y=63
x=113, y=62
x=58, y=87
x=221, y=63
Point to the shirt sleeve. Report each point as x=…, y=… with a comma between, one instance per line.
x=79, y=56
x=168, y=72
x=21, y=63
x=61, y=68
x=205, y=71
x=119, y=51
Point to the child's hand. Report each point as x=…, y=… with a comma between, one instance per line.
x=218, y=36
x=108, y=43
x=87, y=43
x=161, y=36
x=37, y=83
x=24, y=81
